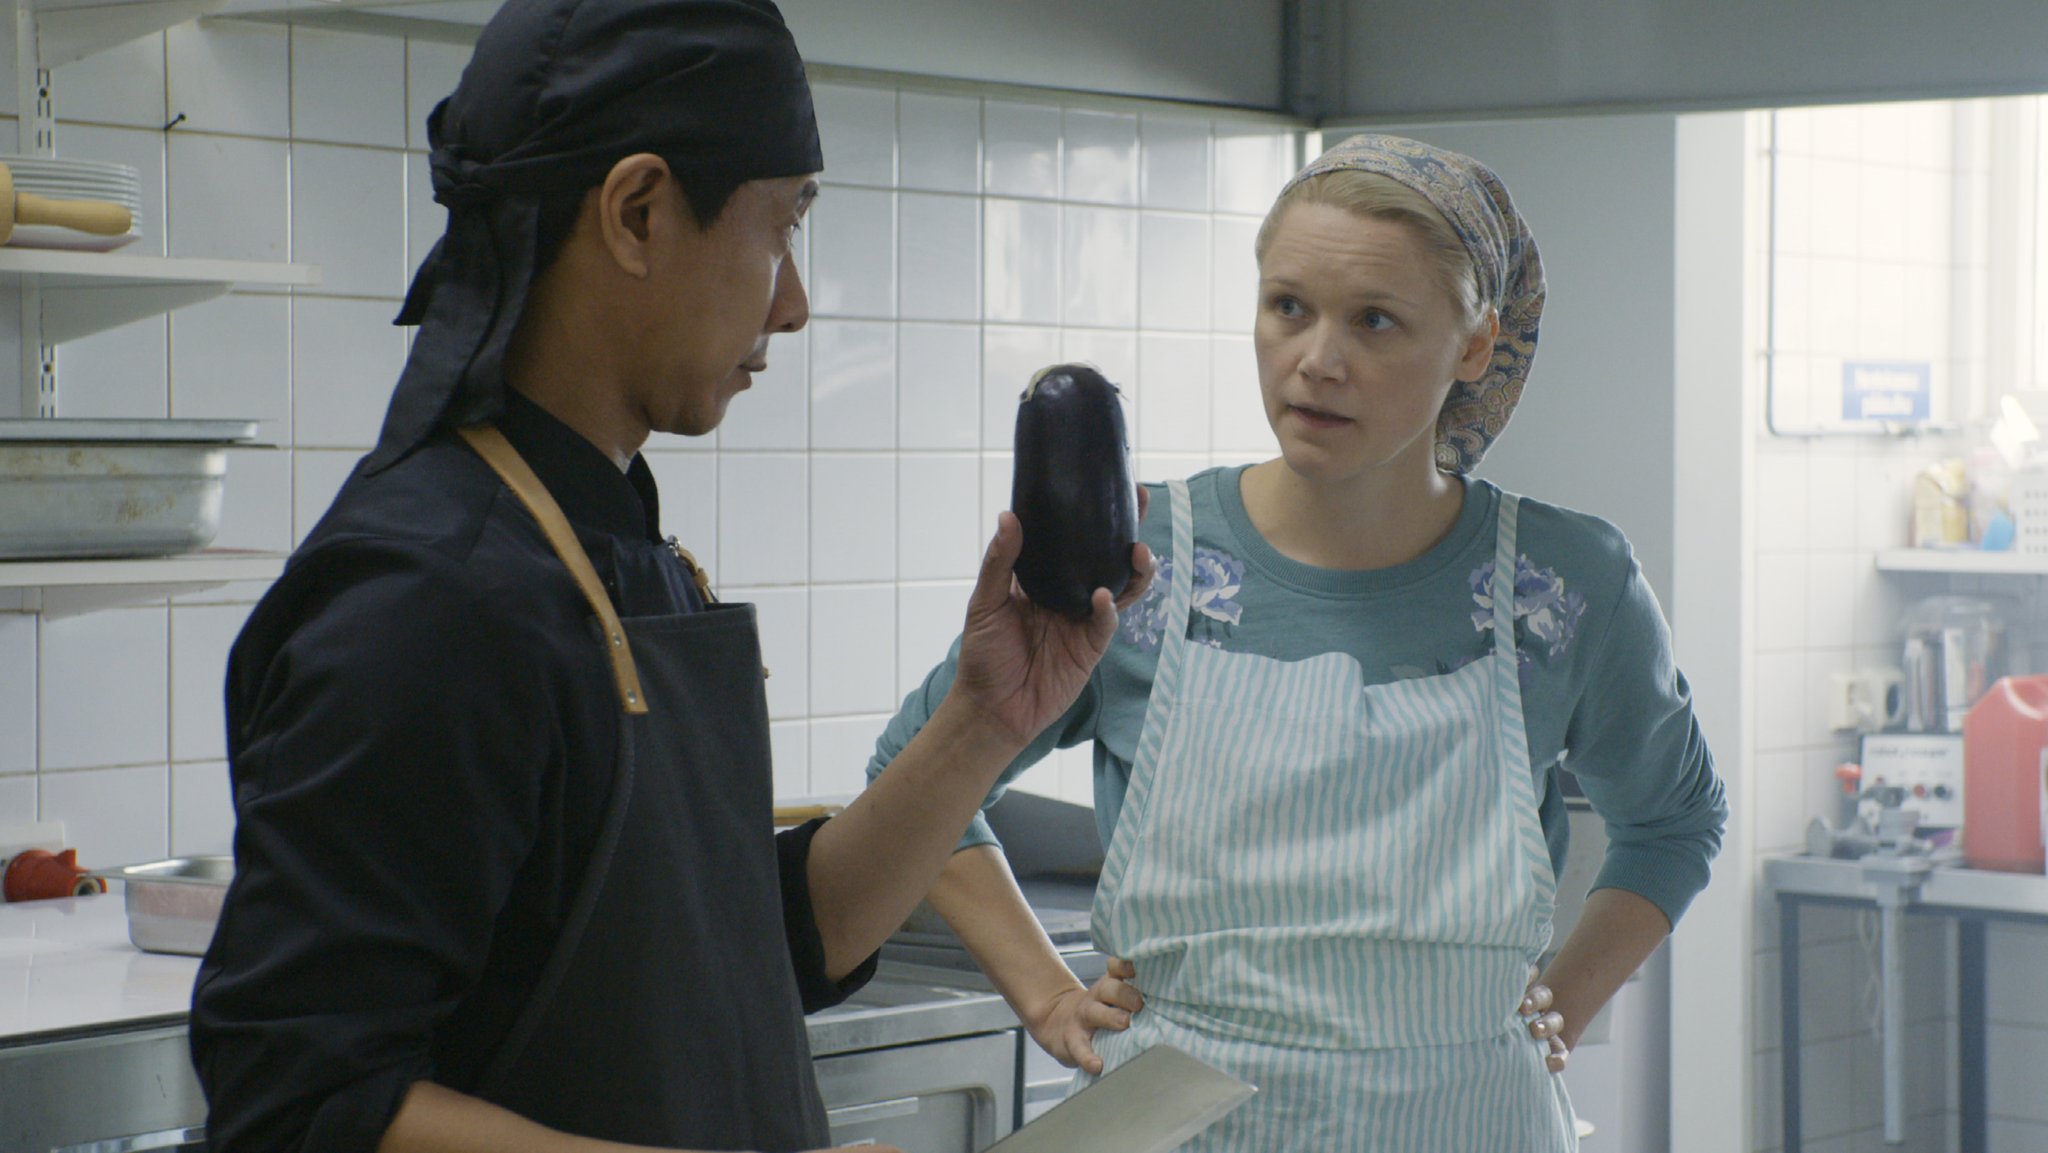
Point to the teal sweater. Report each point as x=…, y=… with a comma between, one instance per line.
x=1601, y=694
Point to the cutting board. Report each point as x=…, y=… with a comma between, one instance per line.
x=1149, y=1104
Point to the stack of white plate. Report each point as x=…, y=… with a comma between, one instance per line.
x=66, y=179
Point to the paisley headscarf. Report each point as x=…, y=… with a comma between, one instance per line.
x=1509, y=272
x=557, y=93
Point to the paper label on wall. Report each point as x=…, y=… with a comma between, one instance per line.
x=1887, y=389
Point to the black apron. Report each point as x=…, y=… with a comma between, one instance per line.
x=669, y=1013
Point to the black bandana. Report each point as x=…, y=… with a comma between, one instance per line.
x=558, y=92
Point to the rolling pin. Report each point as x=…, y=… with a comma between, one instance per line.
x=98, y=217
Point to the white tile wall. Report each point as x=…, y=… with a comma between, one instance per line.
x=103, y=686
x=202, y=810
x=123, y=85
x=939, y=511
x=853, y=649
x=960, y=245
x=345, y=354
x=928, y=618
x=853, y=253
x=1020, y=261
x=938, y=367
x=1101, y=157
x=938, y=257
x=940, y=142
x=233, y=78
x=854, y=517
x=1021, y=149
x=201, y=636
x=853, y=384
x=228, y=197
x=348, y=217
x=17, y=702
x=1100, y=267
x=232, y=357
x=858, y=127
x=431, y=72
x=348, y=89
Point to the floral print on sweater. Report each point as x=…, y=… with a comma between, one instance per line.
x=1219, y=577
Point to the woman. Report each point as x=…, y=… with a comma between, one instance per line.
x=1327, y=739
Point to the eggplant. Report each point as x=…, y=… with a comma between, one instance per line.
x=1072, y=489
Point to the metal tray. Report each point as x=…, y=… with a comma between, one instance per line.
x=112, y=488
x=173, y=905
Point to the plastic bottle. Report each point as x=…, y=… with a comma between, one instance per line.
x=2005, y=744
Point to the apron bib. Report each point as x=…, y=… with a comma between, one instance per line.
x=668, y=1013
x=1336, y=891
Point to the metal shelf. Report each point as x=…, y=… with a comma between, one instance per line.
x=65, y=295
x=88, y=292
x=62, y=588
x=71, y=30
x=1966, y=562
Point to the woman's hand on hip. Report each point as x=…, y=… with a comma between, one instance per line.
x=1066, y=1028
x=1021, y=666
x=1545, y=1025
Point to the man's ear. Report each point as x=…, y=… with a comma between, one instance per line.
x=626, y=205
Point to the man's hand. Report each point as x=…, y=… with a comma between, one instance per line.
x=1021, y=666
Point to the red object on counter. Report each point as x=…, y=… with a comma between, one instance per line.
x=37, y=874
x=1850, y=775
x=2005, y=737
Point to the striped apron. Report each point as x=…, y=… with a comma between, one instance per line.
x=1336, y=892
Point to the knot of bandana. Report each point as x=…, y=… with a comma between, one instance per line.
x=457, y=180
x=1509, y=270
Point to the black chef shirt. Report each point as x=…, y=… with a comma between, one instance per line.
x=421, y=730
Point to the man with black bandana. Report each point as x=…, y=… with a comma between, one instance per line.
x=505, y=877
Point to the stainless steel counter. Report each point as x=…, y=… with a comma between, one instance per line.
x=906, y=1005
x=92, y=1010
x=1899, y=887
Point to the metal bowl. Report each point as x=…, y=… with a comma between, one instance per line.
x=112, y=488
x=173, y=905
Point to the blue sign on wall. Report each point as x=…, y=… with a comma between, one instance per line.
x=1887, y=389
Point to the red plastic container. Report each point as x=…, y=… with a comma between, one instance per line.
x=2005, y=776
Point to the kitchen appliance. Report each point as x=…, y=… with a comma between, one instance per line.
x=1955, y=647
x=1928, y=769
x=1150, y=1104
x=2005, y=765
x=101, y=488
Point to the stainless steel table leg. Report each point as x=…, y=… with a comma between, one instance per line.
x=1891, y=933
x=1788, y=1016
x=1972, y=1097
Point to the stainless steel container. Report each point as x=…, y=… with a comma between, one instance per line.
x=173, y=905
x=112, y=488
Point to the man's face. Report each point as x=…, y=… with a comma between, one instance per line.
x=718, y=294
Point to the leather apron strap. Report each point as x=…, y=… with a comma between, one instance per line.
x=505, y=460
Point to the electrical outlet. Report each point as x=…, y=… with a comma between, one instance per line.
x=1842, y=712
x=1867, y=700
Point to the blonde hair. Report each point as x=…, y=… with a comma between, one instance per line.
x=1384, y=198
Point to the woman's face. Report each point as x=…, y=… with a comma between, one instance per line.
x=1358, y=342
